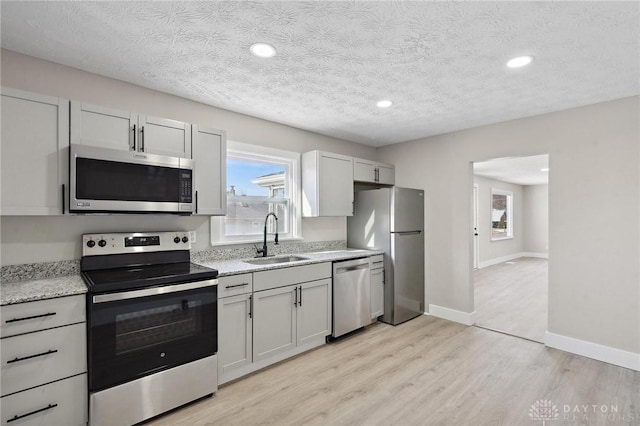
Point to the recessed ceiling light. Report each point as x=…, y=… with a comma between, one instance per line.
x=384, y=104
x=263, y=50
x=520, y=61
x=544, y=170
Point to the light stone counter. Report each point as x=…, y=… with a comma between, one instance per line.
x=45, y=288
x=240, y=266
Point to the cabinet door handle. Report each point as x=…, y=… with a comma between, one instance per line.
x=141, y=138
x=48, y=314
x=295, y=300
x=63, y=198
x=236, y=285
x=250, y=306
x=196, y=202
x=300, y=303
x=17, y=417
x=134, y=138
x=16, y=359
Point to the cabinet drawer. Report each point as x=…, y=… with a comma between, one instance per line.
x=36, y=358
x=39, y=315
x=59, y=403
x=234, y=285
x=377, y=261
x=265, y=280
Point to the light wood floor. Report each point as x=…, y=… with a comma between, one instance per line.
x=427, y=371
x=512, y=297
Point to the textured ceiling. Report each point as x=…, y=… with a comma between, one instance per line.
x=441, y=63
x=518, y=170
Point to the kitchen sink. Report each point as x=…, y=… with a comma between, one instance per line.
x=275, y=260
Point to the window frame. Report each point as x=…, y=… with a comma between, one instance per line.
x=509, y=230
x=293, y=183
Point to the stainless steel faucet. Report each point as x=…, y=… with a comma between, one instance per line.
x=263, y=250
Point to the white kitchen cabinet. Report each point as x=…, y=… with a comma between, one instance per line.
x=377, y=287
x=274, y=328
x=313, y=311
x=35, y=141
x=43, y=353
x=118, y=129
x=210, y=154
x=291, y=316
x=103, y=127
x=327, y=184
x=373, y=172
x=235, y=333
x=163, y=136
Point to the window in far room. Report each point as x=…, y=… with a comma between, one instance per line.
x=501, y=214
x=260, y=180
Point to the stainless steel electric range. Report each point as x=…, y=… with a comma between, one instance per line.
x=151, y=323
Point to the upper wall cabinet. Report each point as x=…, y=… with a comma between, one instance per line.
x=35, y=141
x=373, y=172
x=327, y=184
x=117, y=129
x=209, y=153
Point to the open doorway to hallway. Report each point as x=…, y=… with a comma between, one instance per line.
x=511, y=245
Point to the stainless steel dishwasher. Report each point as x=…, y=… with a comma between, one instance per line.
x=351, y=296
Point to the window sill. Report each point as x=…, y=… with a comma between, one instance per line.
x=501, y=238
x=253, y=241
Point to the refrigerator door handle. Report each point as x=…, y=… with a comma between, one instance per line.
x=408, y=233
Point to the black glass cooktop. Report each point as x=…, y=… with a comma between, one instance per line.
x=118, y=279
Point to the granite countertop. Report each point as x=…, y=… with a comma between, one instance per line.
x=44, y=288
x=27, y=290
x=240, y=266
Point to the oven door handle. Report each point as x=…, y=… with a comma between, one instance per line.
x=155, y=291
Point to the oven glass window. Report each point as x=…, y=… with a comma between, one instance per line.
x=132, y=338
x=113, y=180
x=155, y=326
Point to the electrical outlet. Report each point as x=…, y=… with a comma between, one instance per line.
x=192, y=236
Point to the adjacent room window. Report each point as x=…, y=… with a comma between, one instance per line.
x=260, y=180
x=501, y=214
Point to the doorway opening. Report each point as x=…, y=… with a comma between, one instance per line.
x=511, y=245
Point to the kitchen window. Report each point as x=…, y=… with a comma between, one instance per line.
x=501, y=214
x=260, y=180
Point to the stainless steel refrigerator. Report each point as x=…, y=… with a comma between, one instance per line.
x=392, y=219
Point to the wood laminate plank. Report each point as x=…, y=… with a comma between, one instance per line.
x=427, y=371
x=512, y=297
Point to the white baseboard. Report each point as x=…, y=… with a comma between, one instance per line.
x=534, y=254
x=497, y=260
x=593, y=350
x=509, y=257
x=465, y=318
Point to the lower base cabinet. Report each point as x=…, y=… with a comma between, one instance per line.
x=283, y=318
x=290, y=316
x=58, y=403
x=377, y=287
x=235, y=332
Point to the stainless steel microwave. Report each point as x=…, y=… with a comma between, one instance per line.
x=114, y=181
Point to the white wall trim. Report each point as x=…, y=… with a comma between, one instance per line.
x=466, y=318
x=533, y=254
x=593, y=350
x=496, y=260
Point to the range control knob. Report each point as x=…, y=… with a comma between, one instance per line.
x=176, y=240
x=185, y=239
x=102, y=243
x=91, y=243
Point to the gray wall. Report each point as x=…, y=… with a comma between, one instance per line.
x=37, y=239
x=594, y=155
x=488, y=249
x=536, y=219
